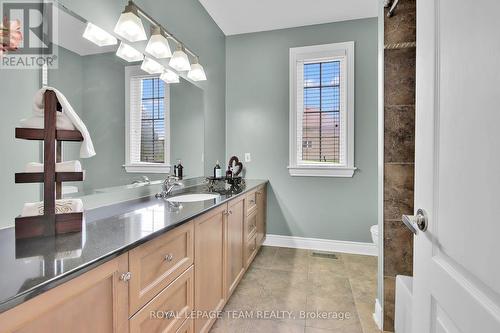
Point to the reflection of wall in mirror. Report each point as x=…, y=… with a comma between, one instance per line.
x=98, y=95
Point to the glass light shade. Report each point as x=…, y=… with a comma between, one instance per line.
x=98, y=36
x=130, y=27
x=128, y=53
x=158, y=47
x=169, y=77
x=180, y=61
x=197, y=73
x=151, y=67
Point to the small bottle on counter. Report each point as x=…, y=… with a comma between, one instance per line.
x=178, y=169
x=217, y=170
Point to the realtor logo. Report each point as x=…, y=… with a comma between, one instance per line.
x=28, y=35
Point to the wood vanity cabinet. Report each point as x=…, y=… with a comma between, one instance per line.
x=209, y=266
x=96, y=301
x=193, y=268
x=235, y=243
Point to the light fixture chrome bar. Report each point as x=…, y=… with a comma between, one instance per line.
x=165, y=31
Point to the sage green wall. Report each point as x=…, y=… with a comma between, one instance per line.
x=186, y=127
x=16, y=94
x=257, y=109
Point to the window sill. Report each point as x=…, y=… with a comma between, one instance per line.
x=147, y=168
x=321, y=171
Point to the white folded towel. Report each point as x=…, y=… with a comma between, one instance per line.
x=38, y=121
x=87, y=148
x=63, y=206
x=67, y=166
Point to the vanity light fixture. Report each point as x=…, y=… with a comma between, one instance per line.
x=128, y=53
x=129, y=26
x=98, y=36
x=151, y=67
x=169, y=76
x=180, y=60
x=158, y=45
x=197, y=73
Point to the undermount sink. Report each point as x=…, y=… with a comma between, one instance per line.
x=193, y=197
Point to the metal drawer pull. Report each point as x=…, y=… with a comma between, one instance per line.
x=169, y=257
x=126, y=276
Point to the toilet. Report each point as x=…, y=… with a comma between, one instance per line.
x=404, y=295
x=374, y=232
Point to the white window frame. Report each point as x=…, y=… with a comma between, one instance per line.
x=296, y=166
x=145, y=167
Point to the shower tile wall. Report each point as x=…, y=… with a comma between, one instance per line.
x=399, y=148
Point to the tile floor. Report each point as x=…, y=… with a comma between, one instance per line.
x=287, y=281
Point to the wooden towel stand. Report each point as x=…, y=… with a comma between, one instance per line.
x=50, y=223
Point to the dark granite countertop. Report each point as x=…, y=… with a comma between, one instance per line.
x=31, y=267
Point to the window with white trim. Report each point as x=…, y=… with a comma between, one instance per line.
x=322, y=110
x=147, y=122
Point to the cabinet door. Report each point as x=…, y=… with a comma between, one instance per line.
x=95, y=301
x=235, y=244
x=261, y=215
x=209, y=266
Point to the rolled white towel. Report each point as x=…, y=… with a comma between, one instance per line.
x=87, y=148
x=66, y=166
x=63, y=206
x=37, y=121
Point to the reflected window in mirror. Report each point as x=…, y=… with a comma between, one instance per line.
x=148, y=122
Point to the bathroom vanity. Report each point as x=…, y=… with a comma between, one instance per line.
x=140, y=266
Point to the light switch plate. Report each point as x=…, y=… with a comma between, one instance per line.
x=248, y=157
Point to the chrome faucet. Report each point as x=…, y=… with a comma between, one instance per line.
x=168, y=185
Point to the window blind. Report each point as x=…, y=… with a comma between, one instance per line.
x=148, y=114
x=321, y=111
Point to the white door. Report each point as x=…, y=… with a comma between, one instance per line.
x=457, y=180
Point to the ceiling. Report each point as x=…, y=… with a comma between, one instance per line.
x=244, y=16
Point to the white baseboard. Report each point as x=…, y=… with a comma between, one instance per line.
x=377, y=315
x=318, y=244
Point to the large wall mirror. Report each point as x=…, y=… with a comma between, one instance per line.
x=140, y=125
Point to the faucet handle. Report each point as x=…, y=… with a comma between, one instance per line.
x=172, y=177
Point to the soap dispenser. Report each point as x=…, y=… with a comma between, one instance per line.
x=178, y=169
x=217, y=170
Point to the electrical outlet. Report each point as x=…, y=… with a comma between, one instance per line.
x=248, y=157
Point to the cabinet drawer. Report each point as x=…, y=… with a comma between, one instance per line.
x=251, y=224
x=187, y=327
x=169, y=309
x=251, y=249
x=155, y=264
x=251, y=202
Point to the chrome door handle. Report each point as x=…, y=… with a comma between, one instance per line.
x=418, y=221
